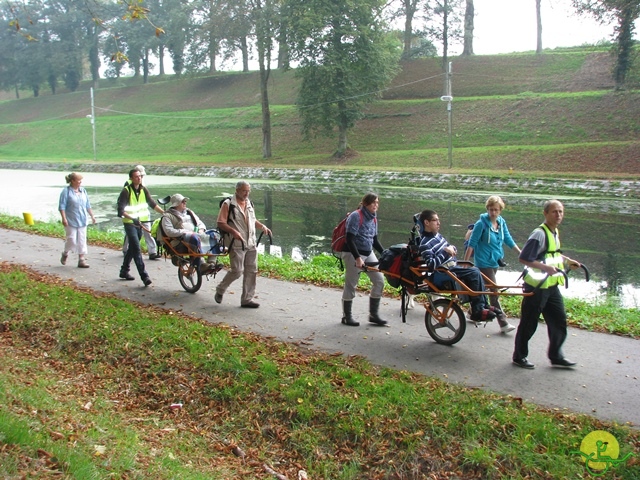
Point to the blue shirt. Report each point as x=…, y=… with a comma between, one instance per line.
x=75, y=206
x=487, y=242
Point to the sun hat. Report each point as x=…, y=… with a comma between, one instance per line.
x=177, y=199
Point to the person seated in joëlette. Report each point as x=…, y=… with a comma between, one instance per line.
x=437, y=252
x=182, y=224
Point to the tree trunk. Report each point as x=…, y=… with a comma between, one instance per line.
x=539, y=24
x=245, y=53
x=145, y=66
x=468, y=29
x=161, y=59
x=17, y=91
x=624, y=45
x=266, y=113
x=213, y=51
x=343, y=127
x=408, y=31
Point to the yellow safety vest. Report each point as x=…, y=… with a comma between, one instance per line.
x=137, y=207
x=553, y=256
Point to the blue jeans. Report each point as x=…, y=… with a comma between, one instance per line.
x=134, y=234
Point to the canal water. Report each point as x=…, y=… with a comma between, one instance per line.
x=601, y=233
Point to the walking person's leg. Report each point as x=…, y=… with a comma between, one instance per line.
x=529, y=315
x=249, y=278
x=494, y=301
x=152, y=247
x=351, y=276
x=81, y=245
x=70, y=238
x=555, y=316
x=236, y=267
x=377, y=287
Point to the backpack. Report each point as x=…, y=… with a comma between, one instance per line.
x=391, y=261
x=339, y=236
x=232, y=207
x=155, y=226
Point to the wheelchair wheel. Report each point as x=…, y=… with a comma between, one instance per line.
x=447, y=324
x=190, y=277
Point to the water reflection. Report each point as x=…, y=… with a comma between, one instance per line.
x=302, y=216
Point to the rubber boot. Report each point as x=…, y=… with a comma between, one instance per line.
x=374, y=307
x=347, y=319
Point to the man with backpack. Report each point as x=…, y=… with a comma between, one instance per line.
x=544, y=266
x=237, y=221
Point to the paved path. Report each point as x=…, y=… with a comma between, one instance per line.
x=606, y=383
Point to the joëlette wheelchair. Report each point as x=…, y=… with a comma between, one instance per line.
x=184, y=257
x=444, y=317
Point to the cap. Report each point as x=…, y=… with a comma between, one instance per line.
x=140, y=168
x=177, y=199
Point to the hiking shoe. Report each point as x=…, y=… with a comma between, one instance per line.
x=63, y=258
x=126, y=276
x=147, y=281
x=218, y=297
x=507, y=328
x=250, y=305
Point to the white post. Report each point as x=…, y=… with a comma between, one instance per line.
x=449, y=98
x=449, y=115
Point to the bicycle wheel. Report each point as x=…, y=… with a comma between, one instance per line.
x=190, y=277
x=445, y=321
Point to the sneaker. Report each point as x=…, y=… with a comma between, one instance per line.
x=147, y=281
x=507, y=328
x=63, y=258
x=218, y=297
x=155, y=256
x=126, y=276
x=83, y=264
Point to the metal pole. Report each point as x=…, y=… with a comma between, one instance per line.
x=93, y=125
x=449, y=113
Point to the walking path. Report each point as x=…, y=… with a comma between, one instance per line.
x=605, y=384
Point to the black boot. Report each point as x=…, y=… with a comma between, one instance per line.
x=347, y=319
x=374, y=306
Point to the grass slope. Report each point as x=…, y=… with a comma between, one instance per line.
x=522, y=112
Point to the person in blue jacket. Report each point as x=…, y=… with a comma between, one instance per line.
x=485, y=245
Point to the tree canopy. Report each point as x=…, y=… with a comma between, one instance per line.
x=345, y=58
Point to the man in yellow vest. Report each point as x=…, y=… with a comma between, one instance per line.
x=133, y=204
x=544, y=267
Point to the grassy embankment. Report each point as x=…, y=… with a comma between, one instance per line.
x=518, y=114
